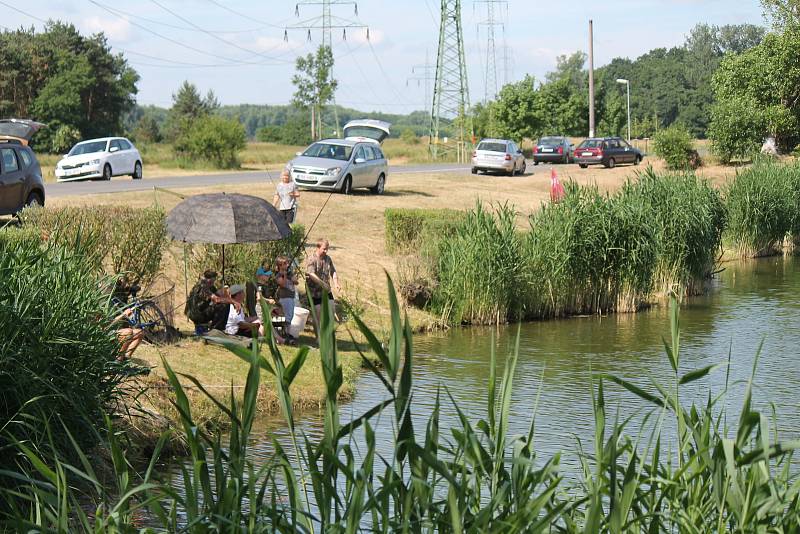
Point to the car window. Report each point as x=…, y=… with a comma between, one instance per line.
x=624, y=144
x=372, y=154
x=115, y=144
x=591, y=143
x=550, y=141
x=124, y=145
x=492, y=147
x=26, y=158
x=360, y=153
x=10, y=162
x=329, y=151
x=89, y=147
x=378, y=153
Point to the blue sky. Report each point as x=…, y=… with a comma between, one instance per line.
x=245, y=59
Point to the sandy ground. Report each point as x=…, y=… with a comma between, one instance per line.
x=355, y=224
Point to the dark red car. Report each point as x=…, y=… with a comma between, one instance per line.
x=606, y=151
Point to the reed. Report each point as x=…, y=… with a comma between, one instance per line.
x=687, y=217
x=762, y=203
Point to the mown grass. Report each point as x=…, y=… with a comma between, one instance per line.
x=719, y=472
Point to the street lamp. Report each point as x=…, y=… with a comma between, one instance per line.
x=628, y=85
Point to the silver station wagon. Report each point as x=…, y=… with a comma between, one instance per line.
x=356, y=161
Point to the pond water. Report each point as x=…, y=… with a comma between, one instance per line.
x=751, y=303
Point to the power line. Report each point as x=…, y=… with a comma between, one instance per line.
x=397, y=94
x=490, y=88
x=247, y=17
x=18, y=10
x=425, y=73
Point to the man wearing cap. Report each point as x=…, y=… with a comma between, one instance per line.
x=237, y=324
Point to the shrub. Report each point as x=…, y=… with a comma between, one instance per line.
x=125, y=240
x=408, y=136
x=64, y=138
x=674, y=146
x=212, y=139
x=736, y=129
x=58, y=346
x=411, y=229
x=762, y=204
x=243, y=260
x=687, y=216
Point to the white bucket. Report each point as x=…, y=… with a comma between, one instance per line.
x=298, y=321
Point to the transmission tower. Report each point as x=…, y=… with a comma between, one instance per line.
x=327, y=22
x=424, y=74
x=450, y=91
x=491, y=22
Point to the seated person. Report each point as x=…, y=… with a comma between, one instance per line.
x=235, y=323
x=129, y=336
x=286, y=280
x=205, y=302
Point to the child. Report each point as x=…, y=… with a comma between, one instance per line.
x=286, y=195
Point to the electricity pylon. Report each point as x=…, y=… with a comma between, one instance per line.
x=425, y=74
x=327, y=22
x=450, y=90
x=491, y=22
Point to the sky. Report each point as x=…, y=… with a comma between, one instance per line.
x=244, y=50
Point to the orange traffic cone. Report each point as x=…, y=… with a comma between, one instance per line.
x=556, y=189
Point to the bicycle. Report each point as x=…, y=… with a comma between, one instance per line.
x=148, y=317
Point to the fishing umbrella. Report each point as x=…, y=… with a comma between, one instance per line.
x=224, y=219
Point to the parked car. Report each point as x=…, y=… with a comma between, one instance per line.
x=607, y=151
x=498, y=155
x=552, y=149
x=21, y=182
x=100, y=158
x=356, y=161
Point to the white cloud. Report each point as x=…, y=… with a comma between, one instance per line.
x=114, y=28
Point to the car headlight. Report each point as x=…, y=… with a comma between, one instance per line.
x=333, y=171
x=94, y=162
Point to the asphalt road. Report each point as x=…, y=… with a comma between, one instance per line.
x=124, y=184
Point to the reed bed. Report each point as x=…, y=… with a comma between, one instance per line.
x=718, y=473
x=763, y=209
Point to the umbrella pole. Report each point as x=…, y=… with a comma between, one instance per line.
x=223, y=264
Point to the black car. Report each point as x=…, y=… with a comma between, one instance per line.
x=552, y=149
x=21, y=182
x=608, y=151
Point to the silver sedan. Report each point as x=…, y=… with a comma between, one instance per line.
x=498, y=155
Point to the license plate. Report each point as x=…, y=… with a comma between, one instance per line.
x=72, y=172
x=301, y=176
x=586, y=154
x=547, y=150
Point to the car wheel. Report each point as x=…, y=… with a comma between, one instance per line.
x=34, y=199
x=137, y=171
x=522, y=170
x=474, y=170
x=107, y=172
x=347, y=185
x=535, y=162
x=566, y=159
x=637, y=160
x=380, y=186
x=611, y=163
x=582, y=165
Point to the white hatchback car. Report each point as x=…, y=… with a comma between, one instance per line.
x=100, y=158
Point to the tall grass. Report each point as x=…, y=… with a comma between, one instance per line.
x=474, y=477
x=478, y=268
x=762, y=208
x=687, y=217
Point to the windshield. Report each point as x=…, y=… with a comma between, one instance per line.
x=591, y=143
x=550, y=141
x=492, y=147
x=88, y=148
x=329, y=151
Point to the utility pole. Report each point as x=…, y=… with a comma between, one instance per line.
x=450, y=90
x=327, y=22
x=424, y=74
x=591, y=80
x=490, y=90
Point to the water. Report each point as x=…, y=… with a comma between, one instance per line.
x=751, y=303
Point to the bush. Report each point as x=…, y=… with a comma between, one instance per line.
x=58, y=345
x=674, y=146
x=410, y=229
x=126, y=240
x=212, y=139
x=64, y=138
x=762, y=204
x=243, y=260
x=736, y=129
x=408, y=136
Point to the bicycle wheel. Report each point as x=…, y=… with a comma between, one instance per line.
x=153, y=322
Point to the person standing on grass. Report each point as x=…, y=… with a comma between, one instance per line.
x=321, y=275
x=286, y=195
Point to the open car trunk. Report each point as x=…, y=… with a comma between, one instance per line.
x=18, y=130
x=366, y=130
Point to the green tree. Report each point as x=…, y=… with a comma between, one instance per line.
x=314, y=86
x=519, y=111
x=187, y=107
x=147, y=130
x=214, y=139
x=783, y=14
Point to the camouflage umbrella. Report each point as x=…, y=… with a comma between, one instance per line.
x=223, y=219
